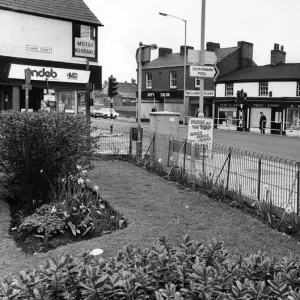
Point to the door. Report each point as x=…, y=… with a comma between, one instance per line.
x=276, y=120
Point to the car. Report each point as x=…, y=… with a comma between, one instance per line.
x=95, y=112
x=106, y=113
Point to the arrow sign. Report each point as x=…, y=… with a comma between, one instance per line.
x=204, y=71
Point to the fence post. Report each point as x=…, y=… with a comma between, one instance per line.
x=259, y=179
x=298, y=187
x=169, y=152
x=130, y=142
x=228, y=169
x=184, y=154
x=154, y=148
x=203, y=160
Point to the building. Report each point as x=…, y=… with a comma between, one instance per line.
x=124, y=103
x=163, y=78
x=273, y=89
x=57, y=41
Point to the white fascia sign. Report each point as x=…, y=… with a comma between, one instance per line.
x=52, y=74
x=206, y=93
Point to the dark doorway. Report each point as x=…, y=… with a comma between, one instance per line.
x=35, y=97
x=276, y=120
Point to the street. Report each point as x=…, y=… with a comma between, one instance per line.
x=272, y=145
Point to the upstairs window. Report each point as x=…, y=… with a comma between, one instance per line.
x=298, y=88
x=148, y=81
x=197, y=82
x=263, y=88
x=173, y=79
x=229, y=89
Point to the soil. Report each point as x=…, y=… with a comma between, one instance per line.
x=31, y=244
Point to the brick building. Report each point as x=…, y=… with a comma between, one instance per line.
x=273, y=89
x=163, y=79
x=57, y=41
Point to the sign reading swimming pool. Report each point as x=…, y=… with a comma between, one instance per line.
x=201, y=130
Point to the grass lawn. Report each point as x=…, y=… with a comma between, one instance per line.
x=154, y=207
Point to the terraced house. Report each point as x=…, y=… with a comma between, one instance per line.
x=58, y=41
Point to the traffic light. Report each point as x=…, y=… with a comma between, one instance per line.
x=241, y=97
x=112, y=87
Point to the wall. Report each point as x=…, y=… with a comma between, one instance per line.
x=19, y=30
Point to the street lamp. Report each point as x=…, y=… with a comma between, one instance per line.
x=184, y=63
x=141, y=46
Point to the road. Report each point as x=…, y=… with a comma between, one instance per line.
x=273, y=145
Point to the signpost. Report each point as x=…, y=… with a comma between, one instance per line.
x=204, y=71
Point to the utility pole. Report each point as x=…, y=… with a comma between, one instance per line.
x=87, y=103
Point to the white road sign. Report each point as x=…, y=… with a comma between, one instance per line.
x=204, y=71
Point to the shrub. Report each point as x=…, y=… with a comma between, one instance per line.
x=193, y=270
x=31, y=142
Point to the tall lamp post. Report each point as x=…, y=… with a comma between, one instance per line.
x=141, y=46
x=184, y=63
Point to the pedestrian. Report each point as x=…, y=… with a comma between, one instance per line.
x=154, y=109
x=262, y=122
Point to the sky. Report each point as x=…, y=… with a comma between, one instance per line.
x=128, y=22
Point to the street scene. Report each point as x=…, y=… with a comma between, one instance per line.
x=149, y=150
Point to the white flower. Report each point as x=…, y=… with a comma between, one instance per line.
x=87, y=180
x=96, y=188
x=96, y=252
x=102, y=206
x=41, y=171
x=160, y=160
x=53, y=210
x=63, y=180
x=187, y=206
x=80, y=180
x=78, y=167
x=289, y=209
x=171, y=158
x=84, y=171
x=266, y=187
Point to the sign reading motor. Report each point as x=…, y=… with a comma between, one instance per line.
x=85, y=48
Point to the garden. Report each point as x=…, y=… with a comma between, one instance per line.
x=160, y=260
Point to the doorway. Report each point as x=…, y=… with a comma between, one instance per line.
x=276, y=121
x=36, y=95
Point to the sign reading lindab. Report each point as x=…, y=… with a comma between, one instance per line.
x=52, y=74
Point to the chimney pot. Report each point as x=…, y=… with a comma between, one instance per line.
x=187, y=49
x=281, y=48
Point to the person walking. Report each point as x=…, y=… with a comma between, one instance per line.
x=262, y=122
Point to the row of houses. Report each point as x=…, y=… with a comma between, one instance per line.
x=273, y=89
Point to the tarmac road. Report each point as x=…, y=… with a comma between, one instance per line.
x=273, y=145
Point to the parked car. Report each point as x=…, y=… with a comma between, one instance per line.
x=95, y=112
x=106, y=113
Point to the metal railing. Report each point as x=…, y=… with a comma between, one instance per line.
x=257, y=175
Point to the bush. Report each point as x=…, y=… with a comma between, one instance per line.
x=191, y=271
x=31, y=142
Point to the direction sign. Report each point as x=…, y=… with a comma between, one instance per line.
x=204, y=71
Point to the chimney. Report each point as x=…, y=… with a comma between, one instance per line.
x=277, y=56
x=163, y=52
x=210, y=46
x=187, y=49
x=246, y=53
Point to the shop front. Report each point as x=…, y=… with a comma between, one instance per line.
x=54, y=86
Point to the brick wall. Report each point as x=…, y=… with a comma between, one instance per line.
x=19, y=30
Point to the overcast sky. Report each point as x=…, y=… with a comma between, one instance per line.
x=128, y=22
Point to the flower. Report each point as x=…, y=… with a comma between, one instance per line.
x=96, y=252
x=53, y=210
x=96, y=188
x=102, y=206
x=78, y=167
x=160, y=160
x=84, y=171
x=87, y=180
x=63, y=180
x=41, y=171
x=80, y=180
x=289, y=209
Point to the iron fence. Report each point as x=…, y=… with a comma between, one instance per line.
x=260, y=177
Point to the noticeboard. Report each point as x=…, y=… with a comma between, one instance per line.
x=200, y=131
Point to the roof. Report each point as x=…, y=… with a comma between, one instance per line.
x=268, y=72
x=125, y=89
x=74, y=10
x=176, y=60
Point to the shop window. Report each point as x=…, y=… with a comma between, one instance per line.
x=229, y=89
x=148, y=81
x=263, y=88
x=298, y=88
x=197, y=82
x=66, y=100
x=85, y=41
x=173, y=79
x=293, y=119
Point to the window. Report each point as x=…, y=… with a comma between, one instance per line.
x=229, y=89
x=263, y=88
x=197, y=82
x=173, y=79
x=298, y=88
x=148, y=81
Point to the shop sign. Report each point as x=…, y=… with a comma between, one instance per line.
x=52, y=74
x=39, y=49
x=161, y=95
x=265, y=105
x=206, y=93
x=85, y=48
x=228, y=104
x=201, y=130
x=294, y=105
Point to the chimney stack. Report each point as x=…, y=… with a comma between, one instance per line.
x=277, y=56
x=211, y=46
x=163, y=52
x=187, y=49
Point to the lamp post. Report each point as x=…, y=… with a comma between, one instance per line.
x=184, y=63
x=141, y=45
